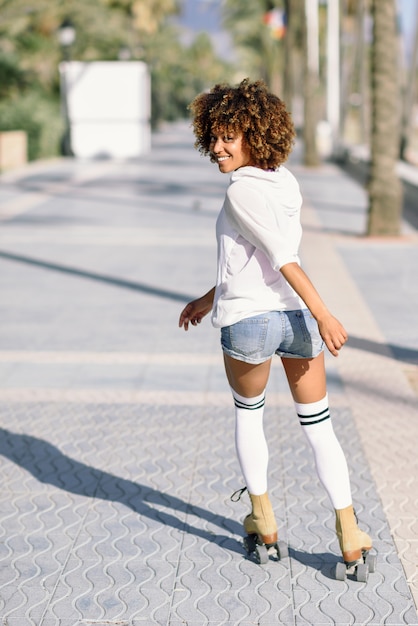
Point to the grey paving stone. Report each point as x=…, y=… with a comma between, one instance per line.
x=124, y=544
x=389, y=266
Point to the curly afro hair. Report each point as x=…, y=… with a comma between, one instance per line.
x=250, y=109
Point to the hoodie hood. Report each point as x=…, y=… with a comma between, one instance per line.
x=249, y=172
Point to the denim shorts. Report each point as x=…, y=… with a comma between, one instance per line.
x=290, y=334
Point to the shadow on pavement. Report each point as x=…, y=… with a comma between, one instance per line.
x=116, y=282
x=400, y=353
x=323, y=562
x=49, y=465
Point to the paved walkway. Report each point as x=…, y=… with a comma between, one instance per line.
x=117, y=460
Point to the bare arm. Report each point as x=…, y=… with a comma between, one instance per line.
x=196, y=310
x=332, y=331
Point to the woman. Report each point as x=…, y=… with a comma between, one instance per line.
x=263, y=301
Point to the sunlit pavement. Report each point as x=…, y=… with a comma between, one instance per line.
x=117, y=454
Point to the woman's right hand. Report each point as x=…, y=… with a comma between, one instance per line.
x=195, y=311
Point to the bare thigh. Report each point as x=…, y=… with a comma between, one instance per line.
x=306, y=378
x=247, y=379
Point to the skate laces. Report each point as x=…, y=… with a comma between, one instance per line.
x=236, y=496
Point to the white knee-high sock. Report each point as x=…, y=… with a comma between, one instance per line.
x=330, y=460
x=250, y=442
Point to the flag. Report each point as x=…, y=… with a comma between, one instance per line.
x=275, y=20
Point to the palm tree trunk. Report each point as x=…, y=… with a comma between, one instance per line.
x=409, y=96
x=311, y=156
x=293, y=65
x=385, y=189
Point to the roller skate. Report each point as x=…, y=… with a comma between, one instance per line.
x=260, y=525
x=355, y=546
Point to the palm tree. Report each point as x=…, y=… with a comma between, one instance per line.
x=385, y=189
x=311, y=85
x=293, y=50
x=261, y=53
x=409, y=90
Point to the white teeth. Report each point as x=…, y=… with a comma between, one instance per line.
x=222, y=159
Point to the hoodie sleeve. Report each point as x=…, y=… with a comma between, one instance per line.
x=275, y=231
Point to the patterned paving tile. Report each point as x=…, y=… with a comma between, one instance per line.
x=150, y=552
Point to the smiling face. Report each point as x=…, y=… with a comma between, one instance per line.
x=229, y=151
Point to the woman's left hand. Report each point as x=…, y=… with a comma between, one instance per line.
x=333, y=333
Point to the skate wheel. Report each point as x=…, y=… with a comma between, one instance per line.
x=370, y=561
x=262, y=554
x=340, y=571
x=282, y=550
x=362, y=573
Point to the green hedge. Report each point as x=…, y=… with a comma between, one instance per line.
x=39, y=117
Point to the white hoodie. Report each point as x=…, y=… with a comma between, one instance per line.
x=258, y=231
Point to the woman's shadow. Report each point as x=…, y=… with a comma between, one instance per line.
x=49, y=465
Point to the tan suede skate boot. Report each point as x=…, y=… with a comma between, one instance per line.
x=353, y=541
x=261, y=520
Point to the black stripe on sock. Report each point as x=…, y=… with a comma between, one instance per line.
x=315, y=422
x=315, y=418
x=250, y=407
